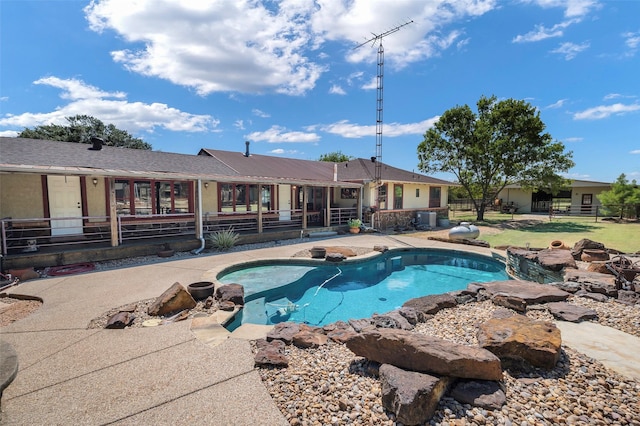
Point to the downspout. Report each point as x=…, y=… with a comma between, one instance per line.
x=199, y=228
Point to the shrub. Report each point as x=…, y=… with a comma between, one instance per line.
x=224, y=240
x=354, y=223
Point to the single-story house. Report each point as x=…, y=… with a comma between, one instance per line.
x=56, y=194
x=580, y=198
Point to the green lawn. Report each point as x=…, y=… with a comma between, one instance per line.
x=620, y=236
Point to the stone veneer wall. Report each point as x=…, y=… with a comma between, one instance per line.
x=527, y=269
x=389, y=219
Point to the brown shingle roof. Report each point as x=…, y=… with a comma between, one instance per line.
x=361, y=170
x=270, y=166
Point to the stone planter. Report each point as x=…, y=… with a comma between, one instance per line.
x=591, y=255
x=318, y=252
x=558, y=245
x=201, y=290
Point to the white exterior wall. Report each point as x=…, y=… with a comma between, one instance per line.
x=576, y=195
x=522, y=199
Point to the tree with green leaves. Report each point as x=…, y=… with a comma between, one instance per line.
x=81, y=128
x=335, y=157
x=503, y=143
x=622, y=199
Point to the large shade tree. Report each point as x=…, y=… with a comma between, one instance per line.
x=81, y=128
x=503, y=143
x=335, y=157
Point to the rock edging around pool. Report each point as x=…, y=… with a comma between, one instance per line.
x=417, y=370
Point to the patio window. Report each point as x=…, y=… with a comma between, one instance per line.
x=242, y=197
x=136, y=197
x=382, y=197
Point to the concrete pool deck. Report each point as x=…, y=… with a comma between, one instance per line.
x=69, y=374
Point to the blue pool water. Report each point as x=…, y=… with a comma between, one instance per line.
x=319, y=293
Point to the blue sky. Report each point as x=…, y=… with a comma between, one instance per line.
x=185, y=75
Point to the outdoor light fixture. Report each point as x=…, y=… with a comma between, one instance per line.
x=95, y=181
x=206, y=185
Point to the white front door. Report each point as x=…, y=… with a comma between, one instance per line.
x=65, y=202
x=284, y=199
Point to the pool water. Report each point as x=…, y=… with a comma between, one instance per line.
x=320, y=293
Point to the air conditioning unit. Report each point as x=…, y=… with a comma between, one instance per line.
x=426, y=218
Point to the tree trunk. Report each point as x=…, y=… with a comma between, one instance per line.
x=481, y=209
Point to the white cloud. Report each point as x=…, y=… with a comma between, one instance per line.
x=239, y=124
x=134, y=117
x=572, y=8
x=632, y=40
x=605, y=111
x=354, y=131
x=635, y=151
x=278, y=134
x=570, y=50
x=337, y=90
x=541, y=32
x=372, y=84
x=260, y=113
x=9, y=133
x=574, y=139
x=258, y=46
x=280, y=151
x=558, y=104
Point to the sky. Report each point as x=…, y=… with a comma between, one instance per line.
x=289, y=77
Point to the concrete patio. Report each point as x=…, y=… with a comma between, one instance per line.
x=69, y=374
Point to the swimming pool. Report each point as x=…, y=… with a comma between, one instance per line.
x=320, y=293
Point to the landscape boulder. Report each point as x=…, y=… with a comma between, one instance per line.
x=309, y=337
x=176, y=298
x=519, y=338
x=232, y=293
x=392, y=319
x=556, y=260
x=593, y=282
x=583, y=244
x=479, y=393
x=284, y=331
x=271, y=354
x=120, y=320
x=570, y=312
x=339, y=331
x=425, y=354
x=412, y=397
x=430, y=305
x=532, y=293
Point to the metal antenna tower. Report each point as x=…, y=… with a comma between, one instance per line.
x=377, y=38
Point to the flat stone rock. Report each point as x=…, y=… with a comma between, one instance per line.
x=430, y=305
x=511, y=302
x=392, y=319
x=339, y=331
x=271, y=354
x=120, y=320
x=425, y=354
x=532, y=293
x=520, y=338
x=479, y=393
x=309, y=337
x=412, y=397
x=570, y=312
x=556, y=260
x=284, y=331
x=232, y=293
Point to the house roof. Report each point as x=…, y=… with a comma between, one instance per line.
x=271, y=166
x=358, y=170
x=54, y=157
x=575, y=183
x=361, y=170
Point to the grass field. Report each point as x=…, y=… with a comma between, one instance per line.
x=539, y=231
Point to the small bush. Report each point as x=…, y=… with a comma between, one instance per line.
x=224, y=240
x=354, y=223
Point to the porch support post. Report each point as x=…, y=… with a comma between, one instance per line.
x=304, y=207
x=359, y=204
x=198, y=210
x=259, y=209
x=327, y=210
x=113, y=216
